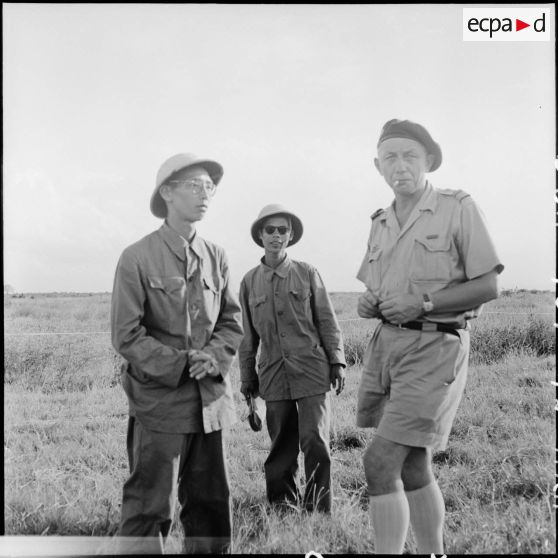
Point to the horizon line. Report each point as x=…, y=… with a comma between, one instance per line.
x=502, y=289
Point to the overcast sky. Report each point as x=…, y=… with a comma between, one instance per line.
x=290, y=100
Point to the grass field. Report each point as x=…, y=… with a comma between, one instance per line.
x=65, y=425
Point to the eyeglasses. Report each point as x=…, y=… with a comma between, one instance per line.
x=270, y=229
x=196, y=185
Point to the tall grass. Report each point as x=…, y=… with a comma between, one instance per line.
x=490, y=341
x=65, y=425
x=527, y=328
x=49, y=364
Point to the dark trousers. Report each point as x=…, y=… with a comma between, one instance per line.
x=164, y=466
x=292, y=425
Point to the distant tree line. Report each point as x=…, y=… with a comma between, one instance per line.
x=10, y=291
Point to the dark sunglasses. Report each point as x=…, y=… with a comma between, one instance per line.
x=270, y=229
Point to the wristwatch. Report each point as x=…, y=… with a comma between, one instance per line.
x=427, y=304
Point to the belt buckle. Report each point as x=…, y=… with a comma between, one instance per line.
x=429, y=326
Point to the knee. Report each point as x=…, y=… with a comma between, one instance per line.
x=311, y=443
x=374, y=470
x=417, y=472
x=382, y=469
x=375, y=460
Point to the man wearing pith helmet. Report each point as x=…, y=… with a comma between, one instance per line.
x=288, y=315
x=176, y=322
x=429, y=266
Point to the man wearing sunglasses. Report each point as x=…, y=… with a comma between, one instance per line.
x=429, y=266
x=288, y=316
x=176, y=322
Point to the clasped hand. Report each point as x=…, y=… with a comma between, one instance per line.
x=397, y=309
x=202, y=364
x=367, y=306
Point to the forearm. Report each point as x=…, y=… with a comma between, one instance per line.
x=227, y=333
x=331, y=339
x=250, y=342
x=160, y=362
x=247, y=355
x=224, y=343
x=466, y=295
x=326, y=322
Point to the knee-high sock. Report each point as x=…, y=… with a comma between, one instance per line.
x=390, y=518
x=427, y=510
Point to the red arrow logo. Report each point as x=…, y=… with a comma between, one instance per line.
x=519, y=25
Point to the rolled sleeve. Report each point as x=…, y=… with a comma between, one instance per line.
x=160, y=362
x=475, y=243
x=362, y=274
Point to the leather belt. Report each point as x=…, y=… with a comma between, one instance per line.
x=425, y=326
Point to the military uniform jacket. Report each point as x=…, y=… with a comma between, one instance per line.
x=287, y=315
x=444, y=242
x=159, y=312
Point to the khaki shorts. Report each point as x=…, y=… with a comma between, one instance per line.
x=412, y=383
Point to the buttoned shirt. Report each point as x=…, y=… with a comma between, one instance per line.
x=444, y=242
x=164, y=304
x=287, y=315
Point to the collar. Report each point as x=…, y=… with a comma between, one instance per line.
x=427, y=202
x=281, y=270
x=178, y=243
x=194, y=244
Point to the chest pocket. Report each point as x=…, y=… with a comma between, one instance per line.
x=209, y=285
x=300, y=294
x=167, y=301
x=211, y=298
x=256, y=301
x=169, y=285
x=299, y=298
x=258, y=306
x=431, y=260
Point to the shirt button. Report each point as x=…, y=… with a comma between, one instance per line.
x=283, y=334
x=194, y=306
x=280, y=313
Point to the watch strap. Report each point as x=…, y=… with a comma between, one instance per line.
x=427, y=304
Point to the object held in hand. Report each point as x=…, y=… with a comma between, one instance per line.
x=254, y=418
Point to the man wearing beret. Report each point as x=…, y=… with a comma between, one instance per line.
x=429, y=266
x=288, y=315
x=176, y=322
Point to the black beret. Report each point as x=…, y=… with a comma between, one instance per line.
x=406, y=129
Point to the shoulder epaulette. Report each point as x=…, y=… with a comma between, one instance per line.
x=459, y=195
x=376, y=213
